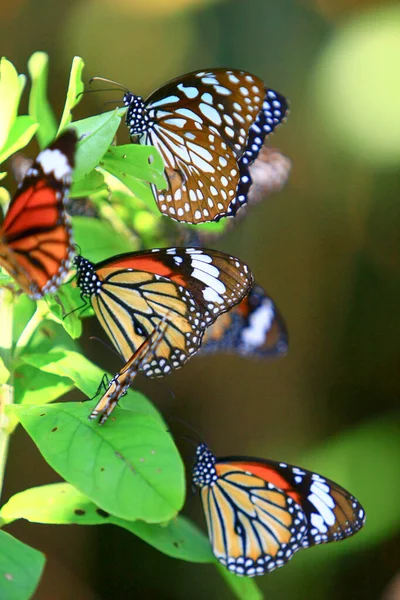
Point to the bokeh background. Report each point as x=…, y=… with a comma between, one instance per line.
x=327, y=249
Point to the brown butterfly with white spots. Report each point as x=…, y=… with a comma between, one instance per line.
x=209, y=127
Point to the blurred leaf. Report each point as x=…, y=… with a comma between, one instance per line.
x=75, y=87
x=48, y=336
x=24, y=309
x=86, y=376
x=20, y=568
x=21, y=133
x=216, y=227
x=142, y=162
x=89, y=184
x=140, y=189
x=39, y=107
x=63, y=305
x=354, y=459
x=3, y=175
x=95, y=135
x=244, y=588
x=4, y=372
x=32, y=386
x=10, y=94
x=130, y=466
x=60, y=504
x=97, y=239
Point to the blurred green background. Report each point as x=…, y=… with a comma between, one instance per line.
x=327, y=249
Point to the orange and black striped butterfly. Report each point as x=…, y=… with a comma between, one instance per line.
x=209, y=127
x=253, y=328
x=121, y=382
x=35, y=236
x=259, y=512
x=132, y=293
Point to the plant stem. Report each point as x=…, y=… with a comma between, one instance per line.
x=41, y=311
x=7, y=388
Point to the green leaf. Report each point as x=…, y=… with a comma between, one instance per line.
x=32, y=386
x=244, y=588
x=4, y=372
x=62, y=504
x=49, y=336
x=39, y=107
x=141, y=162
x=75, y=87
x=98, y=240
x=20, y=568
x=24, y=309
x=129, y=467
x=95, y=135
x=21, y=133
x=63, y=305
x=89, y=184
x=138, y=188
x=10, y=94
x=86, y=376
x=216, y=228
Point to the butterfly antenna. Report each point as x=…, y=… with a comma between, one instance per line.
x=116, y=83
x=196, y=440
x=110, y=348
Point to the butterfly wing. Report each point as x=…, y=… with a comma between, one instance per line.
x=121, y=382
x=332, y=513
x=253, y=526
x=190, y=287
x=35, y=237
x=209, y=126
x=252, y=328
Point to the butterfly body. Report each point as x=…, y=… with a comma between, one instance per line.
x=35, y=237
x=209, y=127
x=132, y=293
x=259, y=512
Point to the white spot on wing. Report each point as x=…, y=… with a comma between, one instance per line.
x=54, y=161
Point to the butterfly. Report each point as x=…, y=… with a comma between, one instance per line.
x=118, y=386
x=252, y=328
x=209, y=127
x=259, y=513
x=35, y=236
x=131, y=293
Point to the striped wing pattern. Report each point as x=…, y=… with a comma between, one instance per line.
x=35, y=237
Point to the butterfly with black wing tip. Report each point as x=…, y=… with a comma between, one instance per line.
x=132, y=293
x=35, y=236
x=253, y=328
x=259, y=512
x=209, y=127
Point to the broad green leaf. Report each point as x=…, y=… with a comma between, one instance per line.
x=97, y=239
x=21, y=133
x=49, y=336
x=95, y=135
x=10, y=93
x=63, y=305
x=62, y=504
x=129, y=467
x=32, y=386
x=244, y=588
x=92, y=182
x=20, y=568
x=4, y=372
x=86, y=376
x=39, y=107
x=141, y=162
x=75, y=87
x=138, y=188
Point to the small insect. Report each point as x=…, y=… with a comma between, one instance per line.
x=259, y=513
x=35, y=236
x=121, y=382
x=209, y=127
x=253, y=328
x=132, y=293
